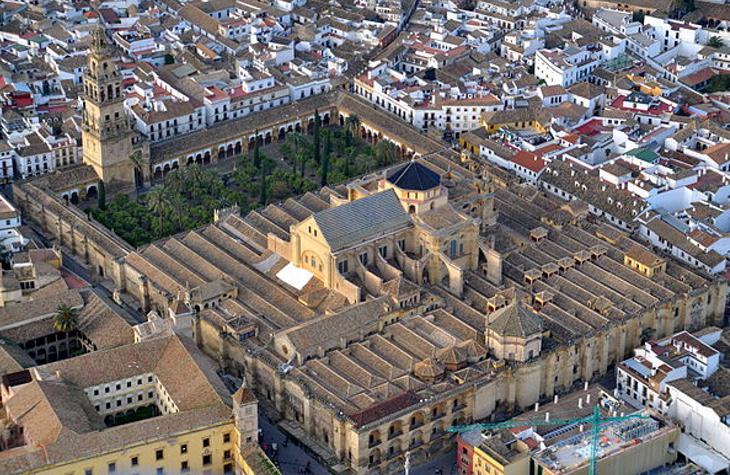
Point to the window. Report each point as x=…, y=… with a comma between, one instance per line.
x=342, y=267
x=184, y=448
x=207, y=459
x=184, y=467
x=89, y=471
x=160, y=471
x=206, y=442
x=112, y=467
x=383, y=251
x=226, y=437
x=226, y=455
x=135, y=461
x=363, y=258
x=159, y=454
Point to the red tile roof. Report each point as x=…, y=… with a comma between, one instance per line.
x=529, y=160
x=384, y=408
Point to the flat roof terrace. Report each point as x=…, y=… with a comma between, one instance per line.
x=569, y=454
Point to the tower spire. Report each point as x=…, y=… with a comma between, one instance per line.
x=100, y=42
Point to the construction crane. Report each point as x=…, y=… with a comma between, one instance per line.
x=595, y=419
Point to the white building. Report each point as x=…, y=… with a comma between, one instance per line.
x=10, y=238
x=642, y=380
x=564, y=67
x=7, y=157
x=705, y=438
x=33, y=156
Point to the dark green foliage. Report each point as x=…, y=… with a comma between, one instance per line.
x=190, y=195
x=101, y=198
x=315, y=142
x=715, y=42
x=257, y=151
x=186, y=200
x=719, y=83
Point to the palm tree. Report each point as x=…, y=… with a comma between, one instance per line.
x=715, y=42
x=352, y=128
x=353, y=124
x=158, y=202
x=385, y=153
x=177, y=206
x=66, y=319
x=138, y=162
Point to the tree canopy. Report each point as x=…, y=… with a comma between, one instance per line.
x=189, y=196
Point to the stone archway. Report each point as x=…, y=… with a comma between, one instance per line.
x=158, y=173
x=238, y=148
x=74, y=197
x=221, y=153
x=230, y=150
x=92, y=192
x=166, y=169
x=206, y=157
x=282, y=134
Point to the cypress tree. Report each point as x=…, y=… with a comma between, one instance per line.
x=256, y=151
x=324, y=171
x=262, y=190
x=102, y=195
x=317, y=157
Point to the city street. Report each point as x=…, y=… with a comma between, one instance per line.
x=292, y=458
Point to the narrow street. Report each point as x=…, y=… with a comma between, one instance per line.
x=291, y=458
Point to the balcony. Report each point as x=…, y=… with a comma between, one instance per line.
x=374, y=443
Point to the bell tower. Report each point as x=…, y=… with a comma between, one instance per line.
x=106, y=134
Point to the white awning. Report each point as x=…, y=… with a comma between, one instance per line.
x=294, y=276
x=702, y=454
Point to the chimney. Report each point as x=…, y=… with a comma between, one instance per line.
x=555, y=399
x=537, y=406
x=580, y=403
x=585, y=387
x=588, y=398
x=580, y=428
x=547, y=417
